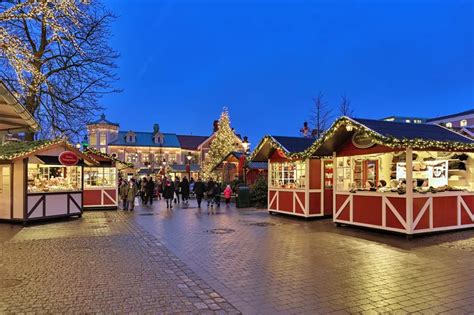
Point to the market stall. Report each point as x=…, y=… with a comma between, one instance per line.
x=299, y=183
x=408, y=178
x=101, y=181
x=41, y=180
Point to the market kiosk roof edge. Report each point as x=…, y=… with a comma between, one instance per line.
x=14, y=116
x=290, y=146
x=12, y=151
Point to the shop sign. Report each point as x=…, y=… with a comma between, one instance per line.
x=362, y=140
x=68, y=158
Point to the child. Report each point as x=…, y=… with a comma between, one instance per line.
x=227, y=195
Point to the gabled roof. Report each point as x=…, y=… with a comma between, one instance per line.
x=15, y=150
x=182, y=167
x=102, y=121
x=257, y=165
x=402, y=131
x=390, y=134
x=14, y=117
x=288, y=145
x=105, y=158
x=189, y=142
x=467, y=112
x=146, y=139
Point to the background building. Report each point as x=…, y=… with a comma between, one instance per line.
x=405, y=119
x=150, y=150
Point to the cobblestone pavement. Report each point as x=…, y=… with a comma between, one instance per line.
x=278, y=264
x=103, y=263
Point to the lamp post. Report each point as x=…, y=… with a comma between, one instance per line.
x=246, y=145
x=189, y=157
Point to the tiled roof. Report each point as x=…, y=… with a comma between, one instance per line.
x=189, y=142
x=102, y=120
x=146, y=139
x=294, y=144
x=412, y=131
x=182, y=167
x=258, y=165
x=467, y=112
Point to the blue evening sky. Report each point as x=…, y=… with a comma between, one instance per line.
x=182, y=61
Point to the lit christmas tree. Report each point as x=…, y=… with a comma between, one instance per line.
x=223, y=143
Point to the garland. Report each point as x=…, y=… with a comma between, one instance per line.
x=377, y=138
x=110, y=157
x=13, y=150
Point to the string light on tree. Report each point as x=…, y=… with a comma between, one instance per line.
x=222, y=144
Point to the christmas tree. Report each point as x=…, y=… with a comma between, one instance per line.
x=222, y=144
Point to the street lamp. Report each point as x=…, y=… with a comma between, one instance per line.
x=78, y=146
x=189, y=157
x=246, y=145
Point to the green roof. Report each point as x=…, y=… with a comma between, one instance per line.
x=12, y=150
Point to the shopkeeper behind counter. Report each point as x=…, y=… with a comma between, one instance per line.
x=432, y=172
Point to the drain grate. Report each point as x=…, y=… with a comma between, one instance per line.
x=220, y=231
x=262, y=224
x=9, y=283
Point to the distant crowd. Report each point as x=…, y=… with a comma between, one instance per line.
x=146, y=189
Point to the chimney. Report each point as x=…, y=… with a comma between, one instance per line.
x=215, y=125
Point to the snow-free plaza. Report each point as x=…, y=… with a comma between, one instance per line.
x=236, y=157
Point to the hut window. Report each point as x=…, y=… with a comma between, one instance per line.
x=288, y=175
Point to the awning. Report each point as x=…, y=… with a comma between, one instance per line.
x=14, y=117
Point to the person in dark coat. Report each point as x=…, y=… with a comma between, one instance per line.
x=168, y=192
x=210, y=192
x=199, y=190
x=150, y=191
x=177, y=187
x=217, y=194
x=185, y=190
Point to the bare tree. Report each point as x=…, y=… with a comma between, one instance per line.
x=55, y=57
x=345, y=108
x=321, y=116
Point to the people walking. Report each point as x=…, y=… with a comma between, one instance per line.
x=131, y=194
x=210, y=192
x=143, y=185
x=227, y=195
x=217, y=194
x=185, y=190
x=199, y=190
x=176, y=189
x=159, y=188
x=150, y=191
x=168, y=192
x=123, y=192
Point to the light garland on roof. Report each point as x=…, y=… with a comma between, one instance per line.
x=391, y=142
x=108, y=156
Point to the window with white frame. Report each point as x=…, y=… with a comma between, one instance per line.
x=449, y=125
x=103, y=138
x=463, y=123
x=131, y=157
x=93, y=139
x=172, y=158
x=288, y=174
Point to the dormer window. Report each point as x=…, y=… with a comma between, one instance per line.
x=449, y=125
x=463, y=123
x=130, y=137
x=158, y=138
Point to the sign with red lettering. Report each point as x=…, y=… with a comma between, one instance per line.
x=68, y=158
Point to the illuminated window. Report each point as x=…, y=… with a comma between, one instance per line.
x=131, y=157
x=389, y=119
x=103, y=138
x=463, y=123
x=172, y=158
x=93, y=139
x=407, y=120
x=145, y=158
x=103, y=150
x=417, y=121
x=288, y=175
x=449, y=125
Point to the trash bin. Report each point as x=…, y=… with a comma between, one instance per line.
x=243, y=197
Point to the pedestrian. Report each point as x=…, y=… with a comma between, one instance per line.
x=123, y=192
x=227, y=195
x=150, y=191
x=159, y=188
x=217, y=194
x=132, y=193
x=199, y=190
x=191, y=184
x=176, y=188
x=168, y=192
x=185, y=190
x=210, y=192
x=143, y=185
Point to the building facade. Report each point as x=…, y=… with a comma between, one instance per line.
x=149, y=151
x=456, y=121
x=405, y=119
